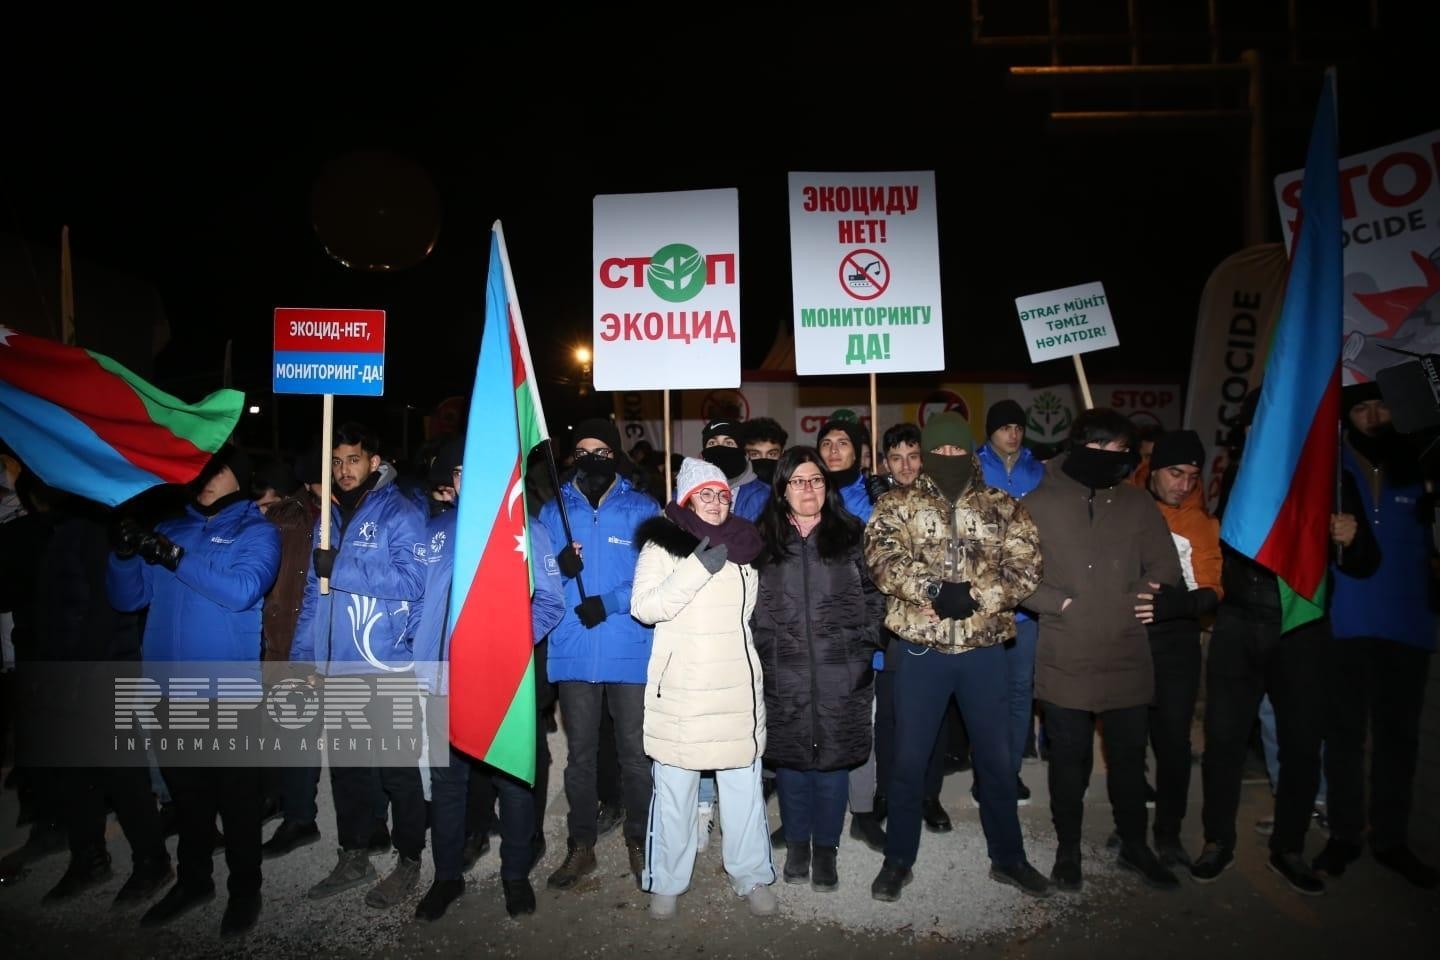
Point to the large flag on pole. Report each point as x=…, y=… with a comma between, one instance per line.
x=87, y=425
x=492, y=683
x=1279, y=510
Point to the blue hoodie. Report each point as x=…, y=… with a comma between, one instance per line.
x=366, y=623
x=617, y=650
x=856, y=498
x=209, y=607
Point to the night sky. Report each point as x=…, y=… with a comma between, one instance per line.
x=195, y=171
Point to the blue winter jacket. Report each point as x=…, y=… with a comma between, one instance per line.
x=1394, y=603
x=618, y=649
x=366, y=623
x=856, y=498
x=432, y=643
x=750, y=499
x=209, y=607
x=1026, y=475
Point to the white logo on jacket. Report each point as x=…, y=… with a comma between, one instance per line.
x=364, y=613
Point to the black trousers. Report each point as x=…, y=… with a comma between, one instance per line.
x=885, y=740
x=234, y=793
x=1248, y=659
x=1175, y=648
x=84, y=792
x=1072, y=759
x=1380, y=684
x=355, y=806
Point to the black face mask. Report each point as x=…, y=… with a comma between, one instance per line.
x=594, y=474
x=951, y=474
x=1099, y=469
x=764, y=468
x=731, y=460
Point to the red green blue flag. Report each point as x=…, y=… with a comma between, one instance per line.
x=492, y=683
x=1279, y=510
x=87, y=425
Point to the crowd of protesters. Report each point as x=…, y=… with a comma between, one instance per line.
x=797, y=620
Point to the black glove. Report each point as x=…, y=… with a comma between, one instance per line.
x=158, y=548
x=569, y=562
x=325, y=561
x=1172, y=603
x=877, y=486
x=591, y=612
x=125, y=537
x=712, y=558
x=955, y=602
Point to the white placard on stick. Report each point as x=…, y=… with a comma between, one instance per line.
x=865, y=271
x=667, y=290
x=1063, y=323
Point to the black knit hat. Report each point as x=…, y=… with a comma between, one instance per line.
x=1177, y=448
x=237, y=460
x=851, y=428
x=276, y=475
x=1003, y=414
x=597, y=428
x=723, y=427
x=447, y=458
x=1356, y=393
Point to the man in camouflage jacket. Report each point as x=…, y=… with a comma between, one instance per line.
x=954, y=558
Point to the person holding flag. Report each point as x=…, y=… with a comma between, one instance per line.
x=1271, y=633
x=449, y=782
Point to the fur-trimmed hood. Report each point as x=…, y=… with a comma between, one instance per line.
x=666, y=535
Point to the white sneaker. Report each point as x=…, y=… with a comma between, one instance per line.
x=704, y=824
x=662, y=906
x=762, y=902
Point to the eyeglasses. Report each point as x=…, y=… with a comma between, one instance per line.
x=710, y=496
x=604, y=453
x=800, y=483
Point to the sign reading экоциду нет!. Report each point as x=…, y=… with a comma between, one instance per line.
x=320, y=351
x=667, y=290
x=865, y=270
x=1062, y=323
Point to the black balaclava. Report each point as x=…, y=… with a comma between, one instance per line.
x=1099, y=469
x=594, y=475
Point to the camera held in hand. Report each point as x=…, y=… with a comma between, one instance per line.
x=131, y=540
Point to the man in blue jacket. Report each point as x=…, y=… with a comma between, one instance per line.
x=723, y=441
x=364, y=627
x=204, y=577
x=1384, y=638
x=449, y=785
x=839, y=443
x=599, y=650
x=1010, y=466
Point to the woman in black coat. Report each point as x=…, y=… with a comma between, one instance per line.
x=816, y=627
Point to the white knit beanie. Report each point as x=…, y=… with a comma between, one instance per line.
x=695, y=474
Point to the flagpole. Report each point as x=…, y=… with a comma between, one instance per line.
x=874, y=429
x=67, y=291
x=560, y=502
x=327, y=431
x=669, y=491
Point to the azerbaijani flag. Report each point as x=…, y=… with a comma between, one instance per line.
x=1279, y=510
x=492, y=681
x=87, y=425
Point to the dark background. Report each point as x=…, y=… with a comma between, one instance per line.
x=190, y=165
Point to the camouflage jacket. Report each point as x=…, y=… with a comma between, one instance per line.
x=905, y=544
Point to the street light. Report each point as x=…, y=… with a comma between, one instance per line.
x=582, y=357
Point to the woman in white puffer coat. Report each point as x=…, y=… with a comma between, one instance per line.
x=704, y=699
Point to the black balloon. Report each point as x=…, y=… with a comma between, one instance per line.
x=375, y=210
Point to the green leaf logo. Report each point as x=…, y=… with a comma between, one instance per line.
x=676, y=272
x=1050, y=419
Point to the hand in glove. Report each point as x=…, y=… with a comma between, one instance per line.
x=125, y=537
x=325, y=562
x=1164, y=603
x=591, y=612
x=569, y=562
x=955, y=602
x=711, y=558
x=158, y=548
x=877, y=486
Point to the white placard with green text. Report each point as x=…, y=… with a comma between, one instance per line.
x=865, y=271
x=667, y=290
x=1062, y=323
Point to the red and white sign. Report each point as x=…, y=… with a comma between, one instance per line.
x=321, y=351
